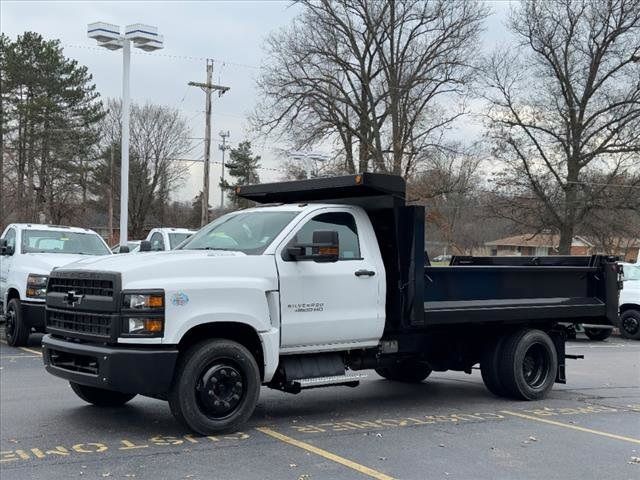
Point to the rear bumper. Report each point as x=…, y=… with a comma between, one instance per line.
x=146, y=371
x=33, y=315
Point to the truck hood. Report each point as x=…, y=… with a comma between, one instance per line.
x=630, y=292
x=45, y=262
x=166, y=269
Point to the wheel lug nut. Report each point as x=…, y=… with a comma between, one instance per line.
x=234, y=374
x=239, y=384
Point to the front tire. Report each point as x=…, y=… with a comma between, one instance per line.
x=216, y=387
x=528, y=366
x=630, y=324
x=597, y=334
x=15, y=331
x=101, y=397
x=405, y=371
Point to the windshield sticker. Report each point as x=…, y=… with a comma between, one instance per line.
x=180, y=299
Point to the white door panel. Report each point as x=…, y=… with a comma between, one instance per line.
x=327, y=303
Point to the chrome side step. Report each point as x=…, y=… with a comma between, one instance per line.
x=348, y=380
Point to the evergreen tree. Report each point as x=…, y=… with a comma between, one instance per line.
x=50, y=111
x=243, y=167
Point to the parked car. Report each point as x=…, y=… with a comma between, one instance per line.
x=28, y=253
x=134, y=246
x=442, y=258
x=167, y=238
x=630, y=301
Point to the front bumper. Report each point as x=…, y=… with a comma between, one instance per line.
x=146, y=371
x=33, y=315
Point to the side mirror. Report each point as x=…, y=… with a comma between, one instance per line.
x=325, y=247
x=145, y=246
x=124, y=249
x=5, y=248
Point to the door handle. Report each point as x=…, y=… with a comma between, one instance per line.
x=364, y=273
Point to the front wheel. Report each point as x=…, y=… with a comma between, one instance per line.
x=630, y=324
x=216, y=387
x=405, y=371
x=528, y=364
x=598, y=334
x=101, y=397
x=15, y=330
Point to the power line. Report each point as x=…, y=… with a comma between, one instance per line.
x=168, y=55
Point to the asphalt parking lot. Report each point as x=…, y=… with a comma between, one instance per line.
x=448, y=427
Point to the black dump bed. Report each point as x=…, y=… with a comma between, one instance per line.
x=472, y=289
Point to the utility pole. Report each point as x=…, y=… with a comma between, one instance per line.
x=207, y=87
x=224, y=135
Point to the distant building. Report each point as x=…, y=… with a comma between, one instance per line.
x=530, y=245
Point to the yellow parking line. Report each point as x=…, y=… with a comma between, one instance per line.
x=323, y=453
x=573, y=427
x=25, y=349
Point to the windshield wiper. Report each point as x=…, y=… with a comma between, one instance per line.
x=213, y=248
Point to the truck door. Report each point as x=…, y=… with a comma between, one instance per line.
x=6, y=261
x=325, y=305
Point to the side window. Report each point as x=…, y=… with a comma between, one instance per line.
x=157, y=243
x=10, y=237
x=343, y=223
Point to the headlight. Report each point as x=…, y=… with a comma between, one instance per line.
x=143, y=301
x=37, y=285
x=144, y=326
x=143, y=313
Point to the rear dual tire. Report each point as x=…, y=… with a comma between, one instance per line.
x=522, y=365
x=597, y=334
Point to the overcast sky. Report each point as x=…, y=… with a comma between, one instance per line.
x=230, y=32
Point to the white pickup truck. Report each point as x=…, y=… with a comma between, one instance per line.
x=167, y=238
x=28, y=252
x=304, y=293
x=630, y=302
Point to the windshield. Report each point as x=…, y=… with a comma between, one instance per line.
x=52, y=241
x=176, y=239
x=631, y=272
x=248, y=232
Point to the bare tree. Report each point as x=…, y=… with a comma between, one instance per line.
x=159, y=136
x=565, y=110
x=377, y=79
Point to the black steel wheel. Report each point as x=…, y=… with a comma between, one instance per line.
x=630, y=324
x=528, y=364
x=101, y=397
x=15, y=331
x=598, y=334
x=215, y=387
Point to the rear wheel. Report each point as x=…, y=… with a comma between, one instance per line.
x=15, y=330
x=489, y=367
x=405, y=371
x=630, y=324
x=597, y=333
x=528, y=364
x=101, y=397
x=216, y=387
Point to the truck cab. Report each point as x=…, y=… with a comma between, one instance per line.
x=326, y=278
x=163, y=239
x=28, y=252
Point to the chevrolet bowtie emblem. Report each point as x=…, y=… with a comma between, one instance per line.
x=73, y=299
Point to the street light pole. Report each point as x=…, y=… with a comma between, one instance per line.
x=124, y=162
x=144, y=37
